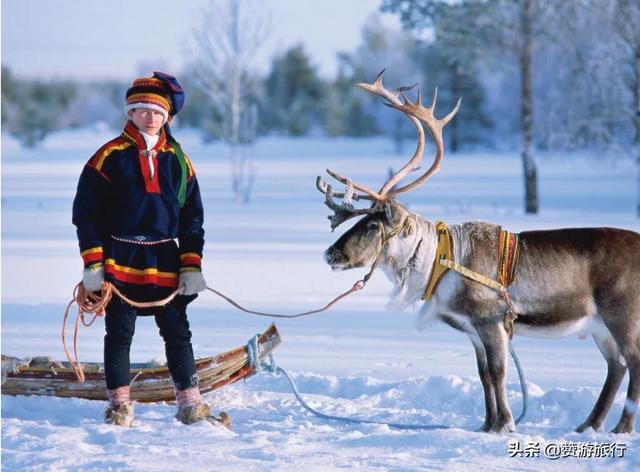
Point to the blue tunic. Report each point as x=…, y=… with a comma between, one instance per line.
x=128, y=215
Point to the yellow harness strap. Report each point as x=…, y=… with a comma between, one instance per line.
x=483, y=279
x=443, y=251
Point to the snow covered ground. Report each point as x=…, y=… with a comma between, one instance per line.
x=360, y=359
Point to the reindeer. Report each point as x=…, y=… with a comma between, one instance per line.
x=569, y=281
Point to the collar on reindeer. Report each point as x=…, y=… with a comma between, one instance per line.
x=443, y=251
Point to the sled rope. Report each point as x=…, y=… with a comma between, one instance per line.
x=253, y=352
x=523, y=383
x=92, y=303
x=270, y=366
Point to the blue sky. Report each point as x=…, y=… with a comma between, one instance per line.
x=121, y=38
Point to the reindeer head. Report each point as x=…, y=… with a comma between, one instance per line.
x=363, y=243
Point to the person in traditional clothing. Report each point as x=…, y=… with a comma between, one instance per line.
x=136, y=196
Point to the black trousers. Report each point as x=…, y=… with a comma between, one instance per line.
x=120, y=323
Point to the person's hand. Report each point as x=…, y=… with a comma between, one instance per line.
x=92, y=278
x=192, y=281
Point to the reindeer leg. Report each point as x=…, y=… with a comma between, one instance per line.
x=627, y=420
x=625, y=330
x=615, y=373
x=495, y=339
x=631, y=353
x=487, y=386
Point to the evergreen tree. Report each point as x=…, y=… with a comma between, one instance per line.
x=294, y=93
x=347, y=113
x=34, y=108
x=380, y=48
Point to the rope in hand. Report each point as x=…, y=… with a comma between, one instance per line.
x=95, y=303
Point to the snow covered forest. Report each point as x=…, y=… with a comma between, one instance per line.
x=532, y=75
x=584, y=86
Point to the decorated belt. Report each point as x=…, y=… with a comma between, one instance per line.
x=141, y=240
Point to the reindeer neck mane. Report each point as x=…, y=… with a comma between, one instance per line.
x=408, y=259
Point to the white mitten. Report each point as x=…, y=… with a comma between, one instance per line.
x=92, y=278
x=192, y=281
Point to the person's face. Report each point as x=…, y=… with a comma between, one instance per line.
x=149, y=121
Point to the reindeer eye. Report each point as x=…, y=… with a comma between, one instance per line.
x=373, y=225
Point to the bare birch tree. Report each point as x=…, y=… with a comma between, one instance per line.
x=230, y=35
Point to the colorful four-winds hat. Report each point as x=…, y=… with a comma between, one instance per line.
x=161, y=92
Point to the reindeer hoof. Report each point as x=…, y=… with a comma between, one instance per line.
x=485, y=428
x=508, y=427
x=582, y=428
x=623, y=427
x=588, y=424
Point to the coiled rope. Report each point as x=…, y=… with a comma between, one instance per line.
x=94, y=303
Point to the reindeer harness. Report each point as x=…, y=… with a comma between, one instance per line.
x=508, y=256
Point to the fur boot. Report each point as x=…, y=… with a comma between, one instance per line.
x=119, y=411
x=191, y=408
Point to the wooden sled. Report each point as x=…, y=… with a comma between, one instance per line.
x=41, y=376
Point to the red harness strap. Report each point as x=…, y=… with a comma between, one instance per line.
x=508, y=255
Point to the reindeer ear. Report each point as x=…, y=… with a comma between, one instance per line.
x=387, y=212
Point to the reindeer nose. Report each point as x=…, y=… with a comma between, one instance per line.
x=333, y=256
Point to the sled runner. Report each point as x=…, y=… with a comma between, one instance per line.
x=42, y=376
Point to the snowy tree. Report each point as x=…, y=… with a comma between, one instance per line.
x=573, y=77
x=230, y=35
x=627, y=21
x=31, y=109
x=382, y=48
x=473, y=26
x=449, y=58
x=294, y=93
x=346, y=111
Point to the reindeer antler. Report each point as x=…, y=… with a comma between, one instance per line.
x=418, y=114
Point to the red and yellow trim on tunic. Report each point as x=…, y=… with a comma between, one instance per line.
x=190, y=259
x=117, y=144
x=93, y=255
x=150, y=276
x=191, y=172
